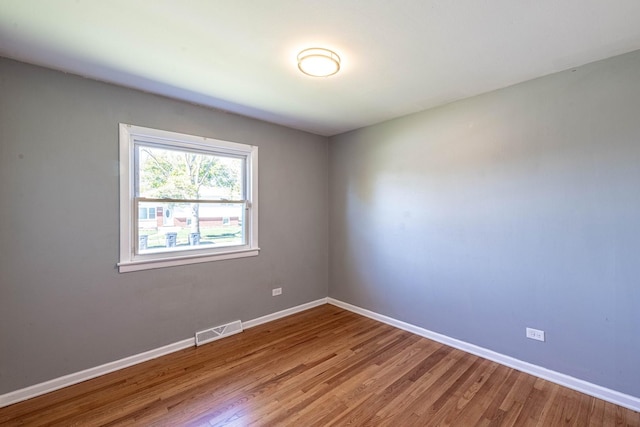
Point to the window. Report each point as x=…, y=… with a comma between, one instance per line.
x=147, y=213
x=185, y=199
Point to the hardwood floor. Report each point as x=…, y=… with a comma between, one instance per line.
x=321, y=367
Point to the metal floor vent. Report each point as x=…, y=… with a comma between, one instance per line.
x=218, y=332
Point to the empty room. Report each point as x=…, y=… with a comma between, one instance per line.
x=319, y=213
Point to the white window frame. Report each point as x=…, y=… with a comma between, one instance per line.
x=129, y=260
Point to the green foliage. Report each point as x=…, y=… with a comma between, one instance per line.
x=174, y=174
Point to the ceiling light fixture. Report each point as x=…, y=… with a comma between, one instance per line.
x=318, y=62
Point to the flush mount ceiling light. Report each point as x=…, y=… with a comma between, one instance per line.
x=318, y=62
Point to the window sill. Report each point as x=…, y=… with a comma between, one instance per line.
x=149, y=264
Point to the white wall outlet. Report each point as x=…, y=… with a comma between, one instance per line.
x=275, y=292
x=535, y=334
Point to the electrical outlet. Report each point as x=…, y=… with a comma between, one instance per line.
x=275, y=292
x=535, y=334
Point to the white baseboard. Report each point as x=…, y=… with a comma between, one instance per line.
x=78, y=377
x=284, y=313
x=582, y=386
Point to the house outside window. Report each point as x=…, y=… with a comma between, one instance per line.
x=185, y=199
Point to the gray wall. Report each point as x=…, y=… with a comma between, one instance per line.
x=516, y=208
x=63, y=305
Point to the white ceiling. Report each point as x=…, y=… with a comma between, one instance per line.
x=398, y=57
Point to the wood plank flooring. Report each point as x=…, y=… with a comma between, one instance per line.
x=322, y=367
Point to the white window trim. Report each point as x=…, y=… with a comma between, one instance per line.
x=129, y=261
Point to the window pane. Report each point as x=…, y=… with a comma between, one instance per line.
x=188, y=226
x=168, y=173
x=142, y=213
